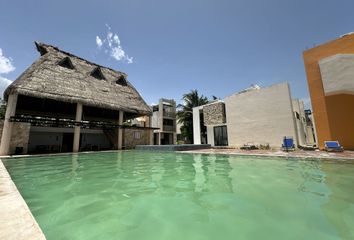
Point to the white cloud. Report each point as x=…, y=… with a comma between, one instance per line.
x=99, y=42
x=5, y=64
x=113, y=46
x=4, y=83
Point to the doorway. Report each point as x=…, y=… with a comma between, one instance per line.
x=68, y=141
x=220, y=136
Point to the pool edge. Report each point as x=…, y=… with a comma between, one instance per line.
x=16, y=219
x=283, y=156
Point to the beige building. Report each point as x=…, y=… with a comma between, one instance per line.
x=63, y=103
x=255, y=115
x=164, y=118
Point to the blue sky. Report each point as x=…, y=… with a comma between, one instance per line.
x=168, y=47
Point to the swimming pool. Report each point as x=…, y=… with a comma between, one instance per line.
x=149, y=195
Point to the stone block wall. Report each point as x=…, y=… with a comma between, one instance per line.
x=214, y=114
x=133, y=137
x=19, y=136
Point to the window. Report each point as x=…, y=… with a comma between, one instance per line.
x=297, y=115
x=66, y=62
x=137, y=134
x=42, y=50
x=121, y=81
x=97, y=73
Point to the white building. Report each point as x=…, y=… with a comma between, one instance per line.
x=255, y=115
x=164, y=118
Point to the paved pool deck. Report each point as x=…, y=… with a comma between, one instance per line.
x=16, y=220
x=346, y=155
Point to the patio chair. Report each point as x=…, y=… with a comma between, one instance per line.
x=249, y=146
x=288, y=144
x=333, y=146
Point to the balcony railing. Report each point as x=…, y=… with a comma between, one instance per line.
x=169, y=114
x=169, y=128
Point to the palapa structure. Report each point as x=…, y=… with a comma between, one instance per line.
x=62, y=97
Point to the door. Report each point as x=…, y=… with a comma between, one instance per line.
x=220, y=136
x=68, y=141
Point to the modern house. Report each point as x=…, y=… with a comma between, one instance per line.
x=164, y=118
x=261, y=116
x=63, y=103
x=330, y=76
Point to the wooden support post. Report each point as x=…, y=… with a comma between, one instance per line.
x=76, y=144
x=7, y=128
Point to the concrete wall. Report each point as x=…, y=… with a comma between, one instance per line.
x=19, y=136
x=155, y=121
x=301, y=129
x=337, y=74
x=260, y=116
x=210, y=135
x=333, y=113
x=54, y=138
x=94, y=139
x=45, y=139
x=196, y=125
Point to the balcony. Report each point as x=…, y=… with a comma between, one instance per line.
x=169, y=114
x=169, y=128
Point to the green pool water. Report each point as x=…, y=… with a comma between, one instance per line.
x=147, y=195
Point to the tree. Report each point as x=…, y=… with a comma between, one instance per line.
x=185, y=112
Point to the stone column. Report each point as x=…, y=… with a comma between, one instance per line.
x=159, y=139
x=120, y=130
x=151, y=132
x=7, y=128
x=76, y=144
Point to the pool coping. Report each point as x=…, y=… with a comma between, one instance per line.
x=16, y=219
x=282, y=155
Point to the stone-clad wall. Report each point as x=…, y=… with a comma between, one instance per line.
x=130, y=141
x=214, y=114
x=19, y=136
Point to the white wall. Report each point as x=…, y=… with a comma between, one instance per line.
x=54, y=136
x=44, y=138
x=99, y=140
x=196, y=125
x=210, y=135
x=155, y=120
x=301, y=129
x=260, y=116
x=338, y=74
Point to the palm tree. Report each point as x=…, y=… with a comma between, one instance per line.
x=185, y=112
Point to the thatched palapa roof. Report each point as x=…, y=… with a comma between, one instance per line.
x=62, y=76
